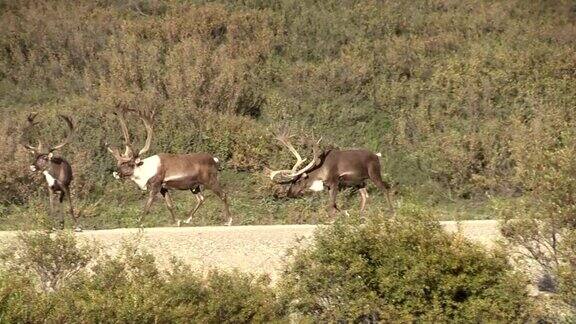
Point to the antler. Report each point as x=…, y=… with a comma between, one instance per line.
x=283, y=138
x=147, y=119
x=30, y=124
x=70, y=133
x=315, y=158
x=114, y=151
x=294, y=172
x=128, y=153
x=122, y=121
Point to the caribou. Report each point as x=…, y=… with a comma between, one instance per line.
x=56, y=170
x=333, y=169
x=163, y=172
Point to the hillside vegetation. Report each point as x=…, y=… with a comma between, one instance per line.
x=467, y=100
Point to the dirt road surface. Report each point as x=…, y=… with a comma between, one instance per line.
x=259, y=249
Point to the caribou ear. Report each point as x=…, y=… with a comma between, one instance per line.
x=138, y=162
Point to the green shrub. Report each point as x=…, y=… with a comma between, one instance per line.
x=81, y=286
x=405, y=269
x=542, y=222
x=566, y=272
x=52, y=259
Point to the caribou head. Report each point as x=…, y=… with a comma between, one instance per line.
x=44, y=154
x=129, y=160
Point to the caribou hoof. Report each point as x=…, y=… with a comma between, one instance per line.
x=179, y=223
x=78, y=229
x=229, y=222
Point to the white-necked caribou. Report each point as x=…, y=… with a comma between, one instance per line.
x=56, y=170
x=334, y=169
x=162, y=172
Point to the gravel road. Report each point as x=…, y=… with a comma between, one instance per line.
x=256, y=249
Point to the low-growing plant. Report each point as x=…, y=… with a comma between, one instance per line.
x=51, y=259
x=567, y=271
x=401, y=269
x=56, y=278
x=540, y=226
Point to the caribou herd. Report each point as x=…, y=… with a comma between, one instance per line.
x=332, y=169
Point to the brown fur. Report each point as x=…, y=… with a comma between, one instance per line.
x=342, y=168
x=201, y=171
x=58, y=168
x=192, y=172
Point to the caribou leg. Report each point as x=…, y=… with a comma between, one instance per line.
x=332, y=207
x=164, y=192
x=374, y=174
x=200, y=200
x=61, y=195
x=215, y=187
x=51, y=194
x=67, y=193
x=363, y=198
x=154, y=190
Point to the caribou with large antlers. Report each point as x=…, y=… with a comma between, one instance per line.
x=163, y=172
x=331, y=168
x=56, y=170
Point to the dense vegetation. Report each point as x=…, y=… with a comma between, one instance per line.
x=453, y=93
x=406, y=270
x=54, y=279
x=471, y=103
x=387, y=270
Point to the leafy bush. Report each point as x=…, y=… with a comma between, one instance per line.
x=540, y=226
x=405, y=269
x=566, y=271
x=85, y=287
x=51, y=259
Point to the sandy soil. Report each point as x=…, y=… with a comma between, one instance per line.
x=255, y=249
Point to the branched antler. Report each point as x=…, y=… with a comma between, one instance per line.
x=40, y=147
x=147, y=118
x=289, y=175
x=68, y=122
x=30, y=124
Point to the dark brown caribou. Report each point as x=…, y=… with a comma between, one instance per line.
x=333, y=169
x=56, y=170
x=162, y=172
